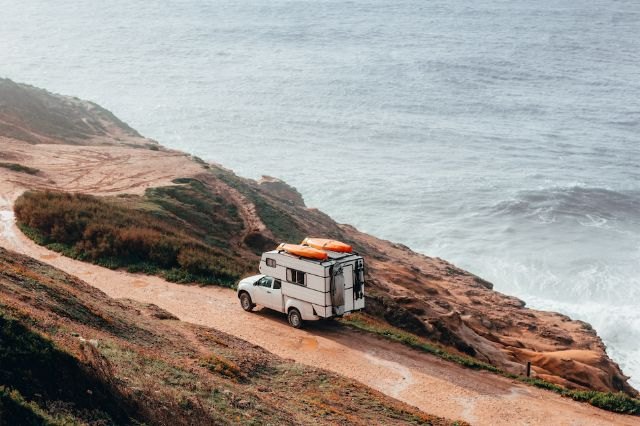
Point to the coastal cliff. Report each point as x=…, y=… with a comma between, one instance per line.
x=75, y=146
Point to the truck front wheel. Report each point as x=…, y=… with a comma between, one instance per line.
x=295, y=319
x=245, y=302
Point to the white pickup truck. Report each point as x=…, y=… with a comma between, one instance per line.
x=305, y=289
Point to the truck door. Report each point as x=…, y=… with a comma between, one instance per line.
x=262, y=291
x=274, y=296
x=348, y=287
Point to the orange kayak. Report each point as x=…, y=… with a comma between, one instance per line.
x=303, y=251
x=325, y=244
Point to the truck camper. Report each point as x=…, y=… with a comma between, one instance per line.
x=308, y=282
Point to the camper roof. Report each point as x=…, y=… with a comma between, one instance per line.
x=332, y=255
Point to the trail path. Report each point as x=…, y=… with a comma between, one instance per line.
x=433, y=385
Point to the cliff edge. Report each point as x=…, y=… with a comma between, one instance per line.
x=83, y=149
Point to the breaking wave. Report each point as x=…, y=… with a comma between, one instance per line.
x=595, y=207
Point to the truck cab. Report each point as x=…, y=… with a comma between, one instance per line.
x=266, y=291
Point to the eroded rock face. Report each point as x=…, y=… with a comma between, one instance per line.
x=461, y=310
x=282, y=190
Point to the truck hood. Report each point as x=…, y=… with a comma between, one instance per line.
x=250, y=280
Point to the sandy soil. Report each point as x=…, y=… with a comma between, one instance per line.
x=104, y=170
x=421, y=380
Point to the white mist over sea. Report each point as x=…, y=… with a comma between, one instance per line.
x=503, y=136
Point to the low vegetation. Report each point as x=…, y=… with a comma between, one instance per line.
x=282, y=224
x=27, y=376
x=71, y=355
x=375, y=326
x=221, y=365
x=616, y=402
x=20, y=168
x=185, y=232
x=198, y=209
x=180, y=232
x=13, y=406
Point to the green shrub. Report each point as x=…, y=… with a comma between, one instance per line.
x=211, y=218
x=221, y=365
x=174, y=243
x=618, y=402
x=143, y=267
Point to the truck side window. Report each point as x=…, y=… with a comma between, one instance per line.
x=266, y=282
x=296, y=277
x=271, y=263
x=277, y=284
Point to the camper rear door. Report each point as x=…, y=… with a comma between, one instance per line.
x=348, y=287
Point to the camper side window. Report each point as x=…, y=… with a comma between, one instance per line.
x=296, y=277
x=271, y=263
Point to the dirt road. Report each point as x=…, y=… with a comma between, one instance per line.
x=421, y=380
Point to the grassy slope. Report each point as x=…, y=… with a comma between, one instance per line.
x=34, y=115
x=182, y=232
x=69, y=354
x=149, y=233
x=285, y=221
x=193, y=214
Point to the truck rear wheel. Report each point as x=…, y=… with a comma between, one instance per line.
x=245, y=302
x=295, y=319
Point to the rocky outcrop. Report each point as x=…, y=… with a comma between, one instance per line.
x=460, y=310
x=282, y=190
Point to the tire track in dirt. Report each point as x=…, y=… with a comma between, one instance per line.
x=97, y=169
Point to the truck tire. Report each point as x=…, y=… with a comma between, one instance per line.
x=245, y=302
x=295, y=319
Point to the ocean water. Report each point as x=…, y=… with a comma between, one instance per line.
x=503, y=136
